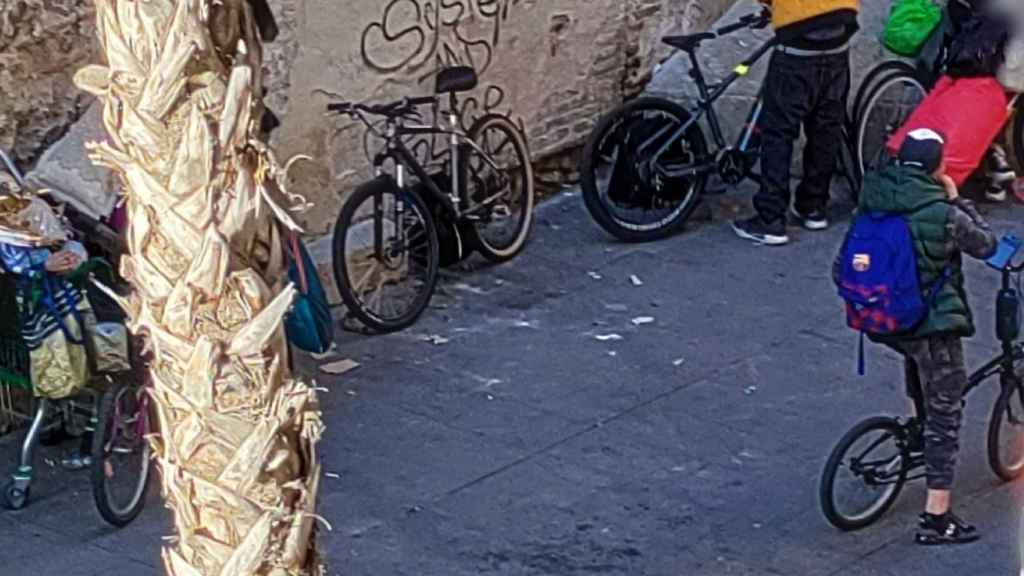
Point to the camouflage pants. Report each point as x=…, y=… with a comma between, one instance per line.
x=936, y=379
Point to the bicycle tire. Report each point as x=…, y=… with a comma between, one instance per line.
x=340, y=264
x=1006, y=471
x=493, y=253
x=1015, y=139
x=911, y=78
x=826, y=491
x=884, y=68
x=100, y=475
x=596, y=206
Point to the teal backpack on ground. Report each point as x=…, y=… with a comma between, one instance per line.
x=911, y=23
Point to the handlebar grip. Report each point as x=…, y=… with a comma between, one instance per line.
x=340, y=107
x=422, y=100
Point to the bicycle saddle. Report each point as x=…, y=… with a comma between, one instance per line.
x=456, y=79
x=687, y=42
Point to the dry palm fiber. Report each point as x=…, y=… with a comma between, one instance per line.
x=238, y=435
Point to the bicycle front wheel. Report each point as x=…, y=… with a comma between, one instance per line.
x=864, y=474
x=886, y=109
x=121, y=461
x=500, y=181
x=1006, y=434
x=386, y=255
x=624, y=192
x=879, y=72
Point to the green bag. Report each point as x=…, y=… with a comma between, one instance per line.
x=910, y=24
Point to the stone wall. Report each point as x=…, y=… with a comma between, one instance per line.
x=552, y=65
x=41, y=43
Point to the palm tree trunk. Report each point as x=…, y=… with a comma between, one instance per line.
x=237, y=448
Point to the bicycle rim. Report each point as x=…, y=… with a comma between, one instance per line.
x=887, y=109
x=388, y=248
x=1006, y=441
x=864, y=475
x=123, y=463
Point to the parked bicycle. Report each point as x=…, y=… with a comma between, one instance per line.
x=114, y=408
x=876, y=458
x=647, y=164
x=387, y=240
x=887, y=97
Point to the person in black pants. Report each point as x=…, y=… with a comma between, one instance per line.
x=807, y=86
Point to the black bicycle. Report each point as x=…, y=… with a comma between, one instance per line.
x=647, y=164
x=389, y=236
x=876, y=458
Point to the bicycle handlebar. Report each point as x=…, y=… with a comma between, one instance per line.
x=391, y=110
x=752, y=21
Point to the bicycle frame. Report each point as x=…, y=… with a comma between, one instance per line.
x=706, y=107
x=399, y=152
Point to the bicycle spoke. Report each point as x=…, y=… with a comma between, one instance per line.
x=357, y=286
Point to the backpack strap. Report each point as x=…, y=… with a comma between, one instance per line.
x=860, y=355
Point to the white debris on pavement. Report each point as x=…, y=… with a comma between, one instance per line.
x=642, y=320
x=340, y=367
x=636, y=281
x=608, y=337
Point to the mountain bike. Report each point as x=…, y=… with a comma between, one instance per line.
x=647, y=164
x=890, y=93
x=387, y=240
x=876, y=458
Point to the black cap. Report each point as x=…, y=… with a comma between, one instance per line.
x=922, y=148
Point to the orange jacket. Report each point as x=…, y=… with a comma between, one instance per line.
x=788, y=12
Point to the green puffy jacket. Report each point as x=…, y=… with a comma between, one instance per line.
x=916, y=194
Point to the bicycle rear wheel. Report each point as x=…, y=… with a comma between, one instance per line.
x=622, y=192
x=864, y=474
x=121, y=461
x=1006, y=434
x=385, y=255
x=505, y=188
x=886, y=109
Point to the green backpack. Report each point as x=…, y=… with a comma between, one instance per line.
x=910, y=24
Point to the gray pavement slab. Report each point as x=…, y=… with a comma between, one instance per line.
x=524, y=445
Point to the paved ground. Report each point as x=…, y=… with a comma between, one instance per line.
x=526, y=446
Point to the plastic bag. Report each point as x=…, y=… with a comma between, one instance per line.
x=109, y=344
x=968, y=112
x=910, y=25
x=29, y=222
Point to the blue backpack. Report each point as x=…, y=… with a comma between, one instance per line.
x=876, y=276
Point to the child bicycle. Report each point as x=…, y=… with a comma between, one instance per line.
x=647, y=164
x=387, y=240
x=876, y=458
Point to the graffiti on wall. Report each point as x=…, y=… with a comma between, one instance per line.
x=417, y=38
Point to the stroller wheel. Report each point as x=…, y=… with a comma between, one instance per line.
x=12, y=497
